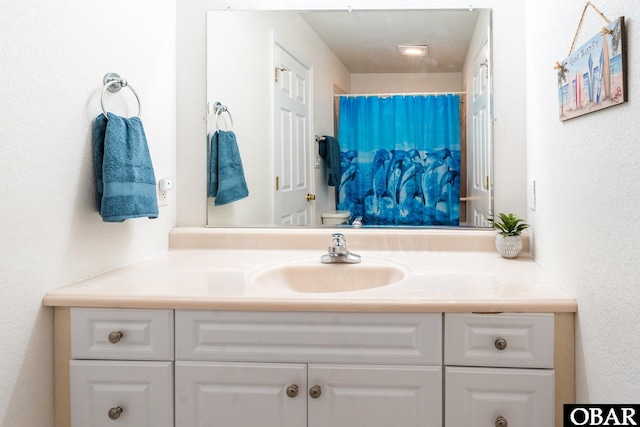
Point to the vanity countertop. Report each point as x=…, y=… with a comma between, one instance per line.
x=217, y=279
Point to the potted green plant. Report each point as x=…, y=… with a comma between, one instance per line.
x=509, y=241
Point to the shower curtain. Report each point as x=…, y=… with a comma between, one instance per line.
x=400, y=159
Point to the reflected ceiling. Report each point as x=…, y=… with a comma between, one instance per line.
x=359, y=36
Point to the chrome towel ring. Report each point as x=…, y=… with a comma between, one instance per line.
x=113, y=83
x=218, y=108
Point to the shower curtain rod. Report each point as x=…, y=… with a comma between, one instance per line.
x=399, y=94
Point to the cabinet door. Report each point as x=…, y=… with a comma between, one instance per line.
x=479, y=397
x=126, y=394
x=375, y=396
x=220, y=394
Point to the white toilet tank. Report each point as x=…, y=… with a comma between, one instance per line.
x=335, y=217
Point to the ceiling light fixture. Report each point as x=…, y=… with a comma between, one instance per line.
x=413, y=50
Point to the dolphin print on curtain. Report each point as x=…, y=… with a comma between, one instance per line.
x=400, y=159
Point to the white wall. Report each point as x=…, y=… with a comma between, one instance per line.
x=586, y=172
x=53, y=56
x=509, y=89
x=405, y=82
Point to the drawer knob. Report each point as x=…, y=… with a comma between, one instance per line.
x=315, y=392
x=114, y=413
x=115, y=337
x=501, y=422
x=500, y=344
x=292, y=391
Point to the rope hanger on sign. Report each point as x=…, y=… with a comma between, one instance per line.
x=604, y=30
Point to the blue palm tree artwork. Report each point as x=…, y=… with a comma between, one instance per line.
x=400, y=159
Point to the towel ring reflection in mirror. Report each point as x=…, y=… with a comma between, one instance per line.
x=113, y=83
x=218, y=108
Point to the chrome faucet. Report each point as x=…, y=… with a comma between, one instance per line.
x=338, y=253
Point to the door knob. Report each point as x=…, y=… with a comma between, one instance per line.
x=292, y=391
x=115, y=337
x=310, y=197
x=500, y=343
x=501, y=422
x=315, y=391
x=114, y=413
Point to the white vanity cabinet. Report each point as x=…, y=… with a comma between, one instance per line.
x=499, y=370
x=121, y=372
x=308, y=369
x=204, y=368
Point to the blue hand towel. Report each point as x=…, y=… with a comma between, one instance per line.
x=126, y=184
x=226, y=180
x=329, y=149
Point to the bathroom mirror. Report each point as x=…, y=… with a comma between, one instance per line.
x=262, y=65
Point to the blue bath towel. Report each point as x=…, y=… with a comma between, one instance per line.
x=126, y=184
x=226, y=180
x=329, y=149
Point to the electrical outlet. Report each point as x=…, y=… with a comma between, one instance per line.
x=163, y=197
x=164, y=185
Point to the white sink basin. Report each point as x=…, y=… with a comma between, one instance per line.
x=313, y=277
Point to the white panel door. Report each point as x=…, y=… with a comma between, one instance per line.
x=292, y=140
x=118, y=393
x=375, y=396
x=211, y=394
x=480, y=397
x=480, y=138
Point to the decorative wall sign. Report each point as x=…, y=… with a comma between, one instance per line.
x=593, y=76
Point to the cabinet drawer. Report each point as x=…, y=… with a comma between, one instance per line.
x=127, y=394
x=480, y=397
x=509, y=340
x=394, y=338
x=123, y=334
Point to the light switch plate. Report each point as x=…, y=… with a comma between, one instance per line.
x=531, y=193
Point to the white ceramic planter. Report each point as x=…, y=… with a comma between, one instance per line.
x=508, y=247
